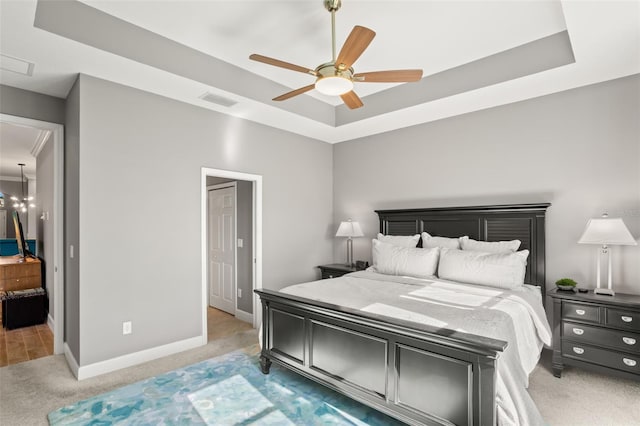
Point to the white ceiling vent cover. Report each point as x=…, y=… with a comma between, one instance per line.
x=217, y=99
x=17, y=65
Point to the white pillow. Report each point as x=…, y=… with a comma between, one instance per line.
x=407, y=261
x=400, y=240
x=429, y=242
x=503, y=270
x=490, y=247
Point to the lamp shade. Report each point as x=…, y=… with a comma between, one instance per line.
x=607, y=231
x=349, y=229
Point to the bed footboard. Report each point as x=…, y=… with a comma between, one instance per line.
x=419, y=375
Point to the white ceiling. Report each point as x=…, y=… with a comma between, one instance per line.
x=16, y=143
x=437, y=36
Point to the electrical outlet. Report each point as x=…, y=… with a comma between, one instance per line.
x=240, y=243
x=239, y=293
x=126, y=327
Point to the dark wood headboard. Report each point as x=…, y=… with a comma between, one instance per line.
x=524, y=222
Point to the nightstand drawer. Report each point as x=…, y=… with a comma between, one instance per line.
x=603, y=357
x=623, y=319
x=331, y=273
x=335, y=270
x=601, y=336
x=581, y=312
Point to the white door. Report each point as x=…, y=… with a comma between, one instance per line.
x=222, y=248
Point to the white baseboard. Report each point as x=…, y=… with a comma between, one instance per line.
x=51, y=323
x=71, y=360
x=128, y=360
x=244, y=316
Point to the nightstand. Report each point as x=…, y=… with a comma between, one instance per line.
x=601, y=333
x=335, y=270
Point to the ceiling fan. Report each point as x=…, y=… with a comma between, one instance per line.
x=337, y=77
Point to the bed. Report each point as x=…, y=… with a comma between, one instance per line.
x=420, y=362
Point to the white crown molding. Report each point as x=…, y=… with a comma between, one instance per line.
x=42, y=138
x=10, y=178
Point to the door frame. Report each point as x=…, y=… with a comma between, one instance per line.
x=3, y=220
x=257, y=239
x=57, y=137
x=233, y=185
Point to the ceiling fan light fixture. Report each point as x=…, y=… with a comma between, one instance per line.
x=336, y=78
x=334, y=85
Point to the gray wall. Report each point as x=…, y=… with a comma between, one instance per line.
x=72, y=221
x=24, y=103
x=136, y=265
x=44, y=227
x=245, y=253
x=215, y=180
x=579, y=150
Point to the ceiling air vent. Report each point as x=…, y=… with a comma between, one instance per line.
x=217, y=99
x=20, y=66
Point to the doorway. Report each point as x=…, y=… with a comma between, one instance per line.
x=55, y=260
x=250, y=310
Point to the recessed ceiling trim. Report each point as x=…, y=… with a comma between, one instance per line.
x=531, y=58
x=85, y=24
x=602, y=35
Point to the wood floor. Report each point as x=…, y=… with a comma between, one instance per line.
x=24, y=344
x=27, y=343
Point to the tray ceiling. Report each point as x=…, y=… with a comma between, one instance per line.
x=475, y=54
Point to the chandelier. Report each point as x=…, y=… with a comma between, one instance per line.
x=22, y=204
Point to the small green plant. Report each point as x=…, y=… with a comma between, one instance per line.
x=566, y=282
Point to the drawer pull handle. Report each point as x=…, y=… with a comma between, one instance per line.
x=578, y=331
x=580, y=311
x=579, y=351
x=629, y=362
x=626, y=318
x=629, y=340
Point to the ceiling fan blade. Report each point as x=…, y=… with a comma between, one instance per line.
x=352, y=100
x=394, y=76
x=281, y=64
x=353, y=47
x=294, y=93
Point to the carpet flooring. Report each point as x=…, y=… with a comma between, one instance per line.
x=30, y=390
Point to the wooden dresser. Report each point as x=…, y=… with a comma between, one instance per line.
x=598, y=332
x=16, y=275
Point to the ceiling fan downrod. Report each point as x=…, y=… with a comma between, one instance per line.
x=333, y=6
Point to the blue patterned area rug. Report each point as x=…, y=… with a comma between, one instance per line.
x=227, y=390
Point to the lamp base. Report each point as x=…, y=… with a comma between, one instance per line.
x=604, y=291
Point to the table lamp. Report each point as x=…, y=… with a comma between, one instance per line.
x=606, y=232
x=349, y=229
